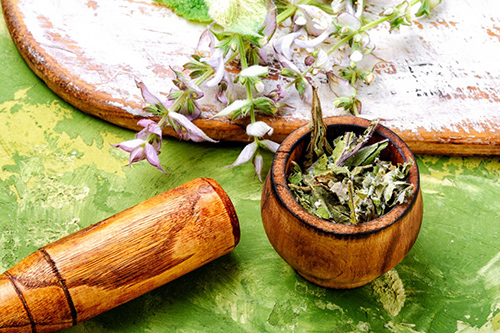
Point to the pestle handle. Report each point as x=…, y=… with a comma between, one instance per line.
x=111, y=262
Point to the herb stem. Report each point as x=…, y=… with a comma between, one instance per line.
x=375, y=23
x=342, y=41
x=346, y=153
x=290, y=11
x=352, y=205
x=248, y=87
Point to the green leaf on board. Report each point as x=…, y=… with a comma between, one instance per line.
x=192, y=10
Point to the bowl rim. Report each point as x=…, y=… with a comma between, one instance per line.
x=279, y=182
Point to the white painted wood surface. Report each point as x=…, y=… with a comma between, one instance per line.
x=439, y=91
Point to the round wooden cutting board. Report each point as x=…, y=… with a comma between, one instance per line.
x=438, y=95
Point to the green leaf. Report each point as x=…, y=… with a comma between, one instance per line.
x=193, y=10
x=366, y=155
x=295, y=176
x=265, y=105
x=244, y=17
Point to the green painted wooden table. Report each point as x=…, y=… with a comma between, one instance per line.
x=58, y=174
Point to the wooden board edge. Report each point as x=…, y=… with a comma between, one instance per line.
x=94, y=103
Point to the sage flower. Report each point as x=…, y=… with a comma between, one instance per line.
x=258, y=162
x=426, y=6
x=360, y=70
x=277, y=94
x=314, y=20
x=217, y=61
x=146, y=144
x=184, y=98
x=186, y=129
x=250, y=151
x=346, y=94
x=259, y=129
x=283, y=45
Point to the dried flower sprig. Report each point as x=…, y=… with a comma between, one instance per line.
x=316, y=38
x=346, y=182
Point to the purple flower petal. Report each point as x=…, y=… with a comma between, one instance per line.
x=258, y=162
x=137, y=155
x=129, y=145
x=226, y=92
x=245, y=155
x=304, y=43
x=271, y=145
x=284, y=44
x=220, y=70
x=317, y=20
x=263, y=54
x=150, y=126
x=270, y=23
x=152, y=157
x=340, y=86
x=277, y=94
x=286, y=63
x=146, y=94
x=188, y=130
x=206, y=43
x=345, y=19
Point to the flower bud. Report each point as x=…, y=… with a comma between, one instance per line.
x=259, y=86
x=369, y=78
x=342, y=102
x=309, y=60
x=388, y=12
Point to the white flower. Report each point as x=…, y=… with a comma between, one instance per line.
x=245, y=155
x=356, y=56
x=259, y=129
x=316, y=20
x=254, y=71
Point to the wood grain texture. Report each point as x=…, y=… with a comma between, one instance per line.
x=118, y=259
x=439, y=92
x=336, y=255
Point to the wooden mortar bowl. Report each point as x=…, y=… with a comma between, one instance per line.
x=335, y=255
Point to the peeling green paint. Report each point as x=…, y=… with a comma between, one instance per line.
x=390, y=292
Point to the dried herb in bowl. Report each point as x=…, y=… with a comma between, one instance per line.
x=348, y=183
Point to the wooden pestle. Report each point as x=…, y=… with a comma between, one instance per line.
x=120, y=258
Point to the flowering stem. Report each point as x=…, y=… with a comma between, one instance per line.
x=364, y=28
x=204, y=77
x=342, y=41
x=244, y=65
x=383, y=19
x=290, y=11
x=375, y=23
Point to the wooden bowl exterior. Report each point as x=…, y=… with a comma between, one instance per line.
x=335, y=255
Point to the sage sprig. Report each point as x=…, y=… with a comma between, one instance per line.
x=318, y=42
